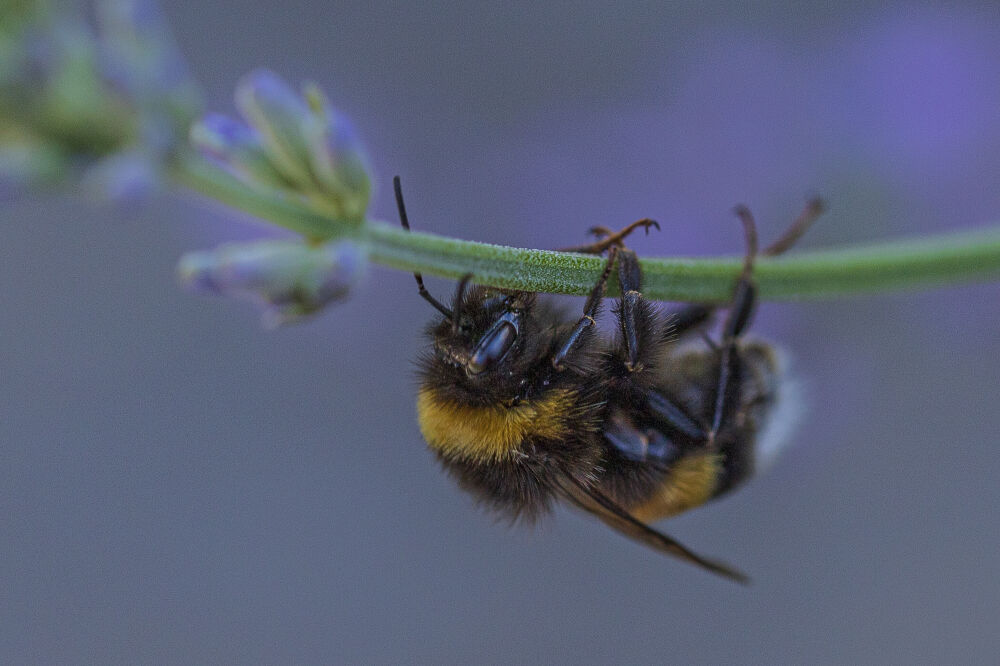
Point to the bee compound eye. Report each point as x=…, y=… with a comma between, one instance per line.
x=492, y=348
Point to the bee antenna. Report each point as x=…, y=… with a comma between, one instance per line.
x=421, y=289
x=459, y=297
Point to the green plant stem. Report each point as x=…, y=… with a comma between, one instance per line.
x=938, y=260
x=935, y=261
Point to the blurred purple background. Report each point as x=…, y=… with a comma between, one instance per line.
x=178, y=484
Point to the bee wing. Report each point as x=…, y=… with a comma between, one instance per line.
x=595, y=502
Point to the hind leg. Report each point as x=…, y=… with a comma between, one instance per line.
x=693, y=317
x=741, y=311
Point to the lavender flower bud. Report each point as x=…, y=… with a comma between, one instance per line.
x=290, y=278
x=315, y=149
x=276, y=112
x=336, y=155
x=127, y=176
x=113, y=103
x=141, y=59
x=238, y=148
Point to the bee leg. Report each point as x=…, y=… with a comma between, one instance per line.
x=630, y=278
x=814, y=208
x=694, y=316
x=674, y=417
x=646, y=445
x=630, y=311
x=609, y=239
x=588, y=320
x=741, y=311
x=690, y=317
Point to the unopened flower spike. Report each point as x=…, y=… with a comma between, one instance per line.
x=141, y=58
x=291, y=279
x=295, y=143
x=109, y=101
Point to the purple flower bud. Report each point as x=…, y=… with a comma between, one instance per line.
x=140, y=56
x=313, y=147
x=128, y=176
x=236, y=146
x=118, y=100
x=277, y=113
x=337, y=156
x=291, y=279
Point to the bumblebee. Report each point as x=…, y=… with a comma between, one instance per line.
x=524, y=407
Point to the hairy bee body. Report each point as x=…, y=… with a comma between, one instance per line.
x=512, y=439
x=525, y=407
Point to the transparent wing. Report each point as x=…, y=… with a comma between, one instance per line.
x=595, y=502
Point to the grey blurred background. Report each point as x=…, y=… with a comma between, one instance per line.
x=179, y=485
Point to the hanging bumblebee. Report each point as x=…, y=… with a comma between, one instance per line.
x=524, y=408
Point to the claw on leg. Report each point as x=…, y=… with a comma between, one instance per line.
x=609, y=238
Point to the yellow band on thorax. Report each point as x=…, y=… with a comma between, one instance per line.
x=493, y=432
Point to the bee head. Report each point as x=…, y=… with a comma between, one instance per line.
x=484, y=330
